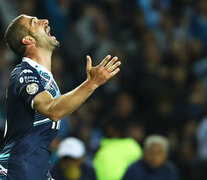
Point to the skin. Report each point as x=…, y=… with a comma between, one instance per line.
x=39, y=47
x=155, y=156
x=68, y=165
x=66, y=162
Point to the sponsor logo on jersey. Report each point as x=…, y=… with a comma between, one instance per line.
x=26, y=71
x=32, y=88
x=31, y=79
x=21, y=79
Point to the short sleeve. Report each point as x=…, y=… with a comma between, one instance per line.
x=28, y=85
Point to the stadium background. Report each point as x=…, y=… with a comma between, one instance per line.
x=161, y=87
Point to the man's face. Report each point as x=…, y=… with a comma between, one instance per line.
x=155, y=156
x=71, y=168
x=40, y=30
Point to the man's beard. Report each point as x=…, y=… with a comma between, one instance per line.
x=47, y=42
x=50, y=45
x=54, y=43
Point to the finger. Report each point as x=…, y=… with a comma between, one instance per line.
x=105, y=61
x=111, y=62
x=113, y=73
x=89, y=62
x=115, y=66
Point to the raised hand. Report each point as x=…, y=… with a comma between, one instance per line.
x=108, y=68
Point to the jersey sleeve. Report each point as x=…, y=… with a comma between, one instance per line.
x=28, y=85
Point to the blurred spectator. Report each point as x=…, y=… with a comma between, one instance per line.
x=137, y=131
x=58, y=12
x=201, y=135
x=151, y=12
x=154, y=165
x=71, y=165
x=58, y=69
x=196, y=99
x=7, y=13
x=4, y=78
x=28, y=7
x=162, y=85
x=115, y=154
x=190, y=166
x=124, y=111
x=198, y=26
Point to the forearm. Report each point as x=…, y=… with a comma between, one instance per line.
x=57, y=108
x=70, y=101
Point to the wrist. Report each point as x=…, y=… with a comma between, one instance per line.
x=91, y=85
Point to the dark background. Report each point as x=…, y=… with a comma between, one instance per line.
x=161, y=87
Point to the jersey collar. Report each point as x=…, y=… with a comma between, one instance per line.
x=34, y=64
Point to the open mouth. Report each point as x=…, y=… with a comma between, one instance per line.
x=47, y=30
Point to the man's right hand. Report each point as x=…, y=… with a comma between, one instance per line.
x=57, y=108
x=98, y=75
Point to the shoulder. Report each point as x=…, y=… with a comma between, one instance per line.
x=134, y=167
x=87, y=166
x=132, y=144
x=23, y=69
x=170, y=167
x=24, y=73
x=134, y=148
x=56, y=171
x=22, y=76
x=133, y=171
x=87, y=169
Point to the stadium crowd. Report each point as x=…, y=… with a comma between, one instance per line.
x=162, y=85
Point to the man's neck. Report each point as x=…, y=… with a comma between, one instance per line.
x=42, y=57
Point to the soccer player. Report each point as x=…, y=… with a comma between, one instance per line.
x=34, y=103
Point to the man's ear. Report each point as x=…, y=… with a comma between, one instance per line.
x=28, y=40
